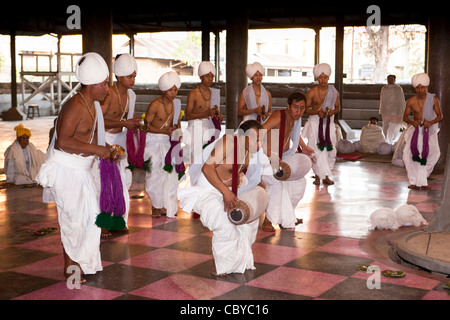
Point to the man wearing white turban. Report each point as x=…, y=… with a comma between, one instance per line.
x=163, y=118
x=78, y=138
x=118, y=109
x=421, y=151
x=255, y=102
x=320, y=129
x=392, y=106
x=203, y=113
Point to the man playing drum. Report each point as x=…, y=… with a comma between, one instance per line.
x=213, y=198
x=284, y=126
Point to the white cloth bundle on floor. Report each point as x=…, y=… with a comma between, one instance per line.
x=408, y=215
x=387, y=218
x=345, y=146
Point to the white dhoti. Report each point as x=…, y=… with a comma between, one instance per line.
x=71, y=184
x=417, y=173
x=125, y=174
x=284, y=195
x=160, y=185
x=325, y=160
x=391, y=128
x=231, y=244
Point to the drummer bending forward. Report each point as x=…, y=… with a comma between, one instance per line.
x=285, y=195
x=212, y=198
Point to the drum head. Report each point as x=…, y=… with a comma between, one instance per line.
x=284, y=172
x=236, y=215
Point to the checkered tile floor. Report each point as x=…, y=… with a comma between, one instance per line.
x=170, y=259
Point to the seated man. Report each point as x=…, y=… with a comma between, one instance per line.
x=22, y=159
x=212, y=197
x=371, y=136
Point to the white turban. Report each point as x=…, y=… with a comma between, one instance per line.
x=251, y=69
x=206, y=67
x=420, y=78
x=91, y=69
x=124, y=65
x=321, y=68
x=168, y=80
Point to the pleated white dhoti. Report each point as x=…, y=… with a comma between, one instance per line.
x=160, y=185
x=231, y=244
x=284, y=195
x=325, y=160
x=417, y=173
x=70, y=181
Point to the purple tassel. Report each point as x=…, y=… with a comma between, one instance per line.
x=111, y=193
x=217, y=128
x=414, y=140
x=324, y=142
x=426, y=146
x=179, y=164
x=321, y=139
x=327, y=133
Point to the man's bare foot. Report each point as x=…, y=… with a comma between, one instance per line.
x=425, y=188
x=105, y=233
x=413, y=187
x=317, y=181
x=267, y=226
x=156, y=213
x=214, y=272
x=328, y=181
x=298, y=221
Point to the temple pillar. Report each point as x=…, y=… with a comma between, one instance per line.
x=438, y=66
x=97, y=31
x=236, y=61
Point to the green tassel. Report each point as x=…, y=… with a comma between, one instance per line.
x=104, y=220
x=329, y=148
x=130, y=166
x=117, y=223
x=321, y=148
x=168, y=167
x=148, y=165
x=180, y=175
x=204, y=146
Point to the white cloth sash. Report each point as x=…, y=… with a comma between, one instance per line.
x=250, y=101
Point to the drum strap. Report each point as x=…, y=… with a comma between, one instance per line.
x=281, y=136
x=235, y=175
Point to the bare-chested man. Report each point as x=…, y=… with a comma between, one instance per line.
x=118, y=110
x=67, y=171
x=421, y=151
x=212, y=197
x=203, y=113
x=255, y=102
x=279, y=210
x=163, y=117
x=320, y=129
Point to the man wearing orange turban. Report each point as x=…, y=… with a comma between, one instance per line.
x=22, y=159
